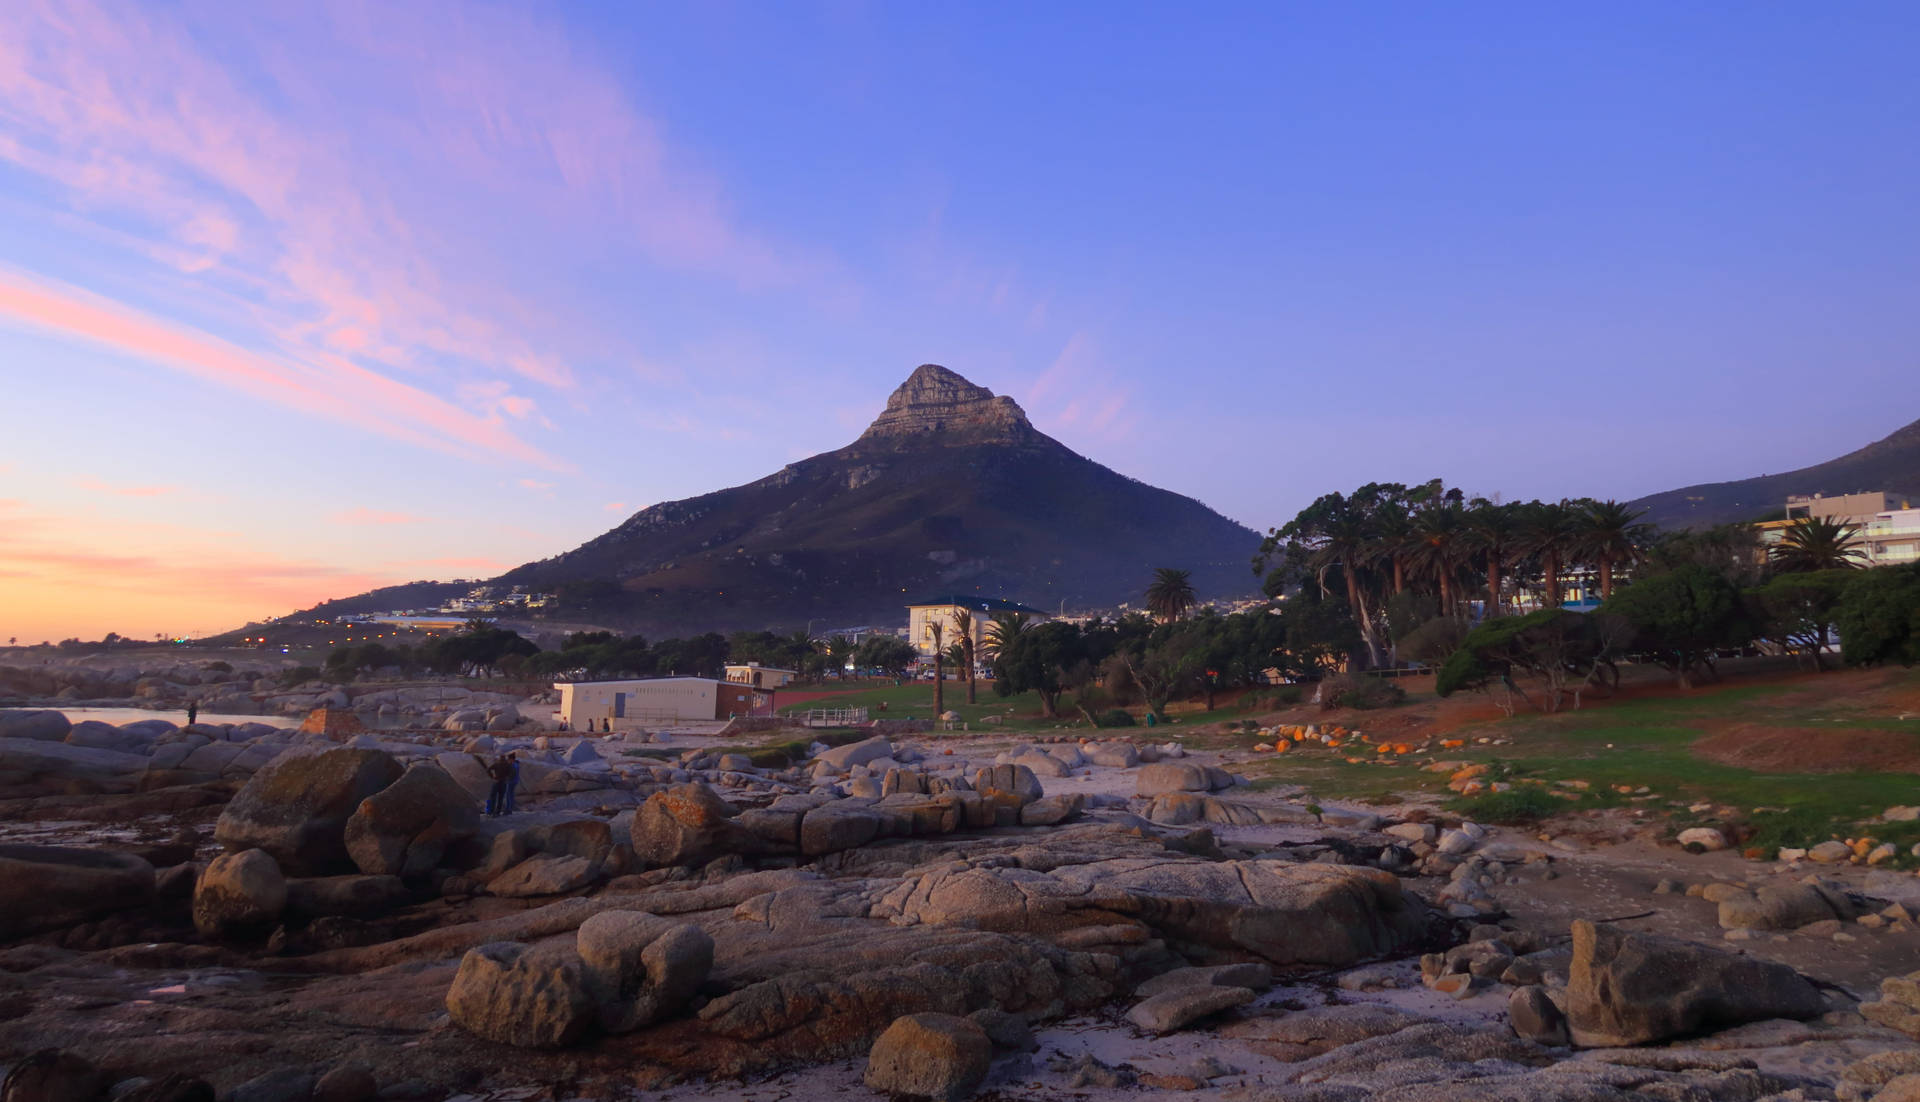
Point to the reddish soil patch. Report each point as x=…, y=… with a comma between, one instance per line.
x=1767, y=749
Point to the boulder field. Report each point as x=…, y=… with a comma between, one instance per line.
x=341, y=921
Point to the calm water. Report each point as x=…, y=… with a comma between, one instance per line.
x=118, y=716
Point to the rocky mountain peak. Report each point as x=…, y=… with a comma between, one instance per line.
x=941, y=404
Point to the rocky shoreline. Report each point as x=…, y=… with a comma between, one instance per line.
x=284, y=914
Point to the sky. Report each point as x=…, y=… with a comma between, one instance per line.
x=300, y=299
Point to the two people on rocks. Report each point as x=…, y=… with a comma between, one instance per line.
x=505, y=772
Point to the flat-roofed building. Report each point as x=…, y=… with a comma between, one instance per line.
x=636, y=703
x=760, y=677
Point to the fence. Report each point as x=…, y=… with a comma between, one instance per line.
x=835, y=717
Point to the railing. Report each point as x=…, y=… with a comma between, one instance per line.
x=835, y=717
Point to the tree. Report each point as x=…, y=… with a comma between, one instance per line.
x=1683, y=616
x=1037, y=660
x=938, y=629
x=1441, y=541
x=1550, y=531
x=963, y=625
x=1879, y=616
x=1798, y=610
x=1555, y=646
x=839, y=652
x=1495, y=532
x=887, y=653
x=1817, y=543
x=1611, y=535
x=1170, y=594
x=1003, y=628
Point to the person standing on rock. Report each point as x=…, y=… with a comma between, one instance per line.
x=500, y=771
x=513, y=779
x=193, y=712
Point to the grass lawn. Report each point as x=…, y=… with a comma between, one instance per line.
x=1650, y=741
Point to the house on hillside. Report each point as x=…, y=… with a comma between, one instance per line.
x=942, y=609
x=1887, y=528
x=636, y=703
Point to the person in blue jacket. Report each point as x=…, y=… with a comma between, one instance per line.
x=513, y=779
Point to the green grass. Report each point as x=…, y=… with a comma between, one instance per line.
x=1649, y=742
x=1525, y=804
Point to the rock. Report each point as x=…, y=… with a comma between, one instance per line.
x=347, y=1083
x=1302, y=1033
x=57, y=768
x=1898, y=1006
x=171, y=1088
x=1051, y=810
x=1413, y=832
x=405, y=828
x=239, y=894
x=1453, y=843
x=297, y=808
x=1171, y=776
x=353, y=896
x=1535, y=1018
x=1015, y=781
x=1776, y=906
x=1831, y=852
x=735, y=763
x=1706, y=838
x=641, y=968
x=687, y=825
x=469, y=772
x=838, y=826
x=1628, y=989
x=1006, y=1031
x=1905, y=1088
x=1171, y=1010
x=842, y=758
x=935, y=1056
x=1253, y=975
x=1901, y=814
x=509, y=994
x=279, y=1085
x=1042, y=764
x=1113, y=755
x=53, y=1075
x=544, y=874
x=56, y=887
x=1720, y=892
x=40, y=725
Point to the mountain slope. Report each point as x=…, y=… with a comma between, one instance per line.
x=950, y=488
x=1891, y=464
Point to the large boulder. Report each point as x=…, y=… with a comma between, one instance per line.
x=842, y=758
x=46, y=726
x=1016, y=781
x=62, y=769
x=350, y=896
x=405, y=828
x=935, y=1056
x=1633, y=989
x=297, y=808
x=1783, y=906
x=1281, y=911
x=239, y=894
x=510, y=994
x=53, y=1075
x=640, y=967
x=469, y=771
x=839, y=826
x=544, y=874
x=1181, y=1006
x=687, y=824
x=1162, y=777
x=54, y=887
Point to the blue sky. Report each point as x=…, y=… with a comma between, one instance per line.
x=298, y=301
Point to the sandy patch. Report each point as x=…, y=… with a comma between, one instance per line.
x=1768, y=749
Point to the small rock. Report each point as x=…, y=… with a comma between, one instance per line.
x=1707, y=838
x=1535, y=1018
x=1171, y=1010
x=935, y=1056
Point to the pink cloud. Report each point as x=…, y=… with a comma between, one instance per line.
x=99, y=487
x=614, y=507
x=326, y=385
x=363, y=515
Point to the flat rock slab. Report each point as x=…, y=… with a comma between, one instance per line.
x=1175, y=1009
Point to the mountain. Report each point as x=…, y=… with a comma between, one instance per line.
x=1892, y=464
x=950, y=489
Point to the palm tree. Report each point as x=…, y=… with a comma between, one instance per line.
x=1552, y=532
x=1439, y=547
x=937, y=629
x=963, y=626
x=1003, y=629
x=839, y=649
x=1611, y=535
x=1817, y=543
x=1170, y=594
x=1494, y=530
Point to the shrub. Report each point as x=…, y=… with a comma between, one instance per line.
x=1879, y=616
x=1116, y=717
x=1524, y=804
x=1362, y=693
x=299, y=675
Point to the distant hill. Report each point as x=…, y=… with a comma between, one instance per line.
x=1892, y=464
x=950, y=489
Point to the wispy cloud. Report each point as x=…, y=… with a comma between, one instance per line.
x=363, y=515
x=614, y=507
x=534, y=484
x=1079, y=395
x=94, y=485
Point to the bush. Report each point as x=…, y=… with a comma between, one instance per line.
x=1362, y=693
x=1115, y=717
x=1879, y=616
x=1524, y=804
x=220, y=667
x=300, y=675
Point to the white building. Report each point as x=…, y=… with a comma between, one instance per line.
x=760, y=677
x=637, y=703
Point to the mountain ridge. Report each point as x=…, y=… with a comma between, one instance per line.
x=950, y=487
x=1891, y=463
